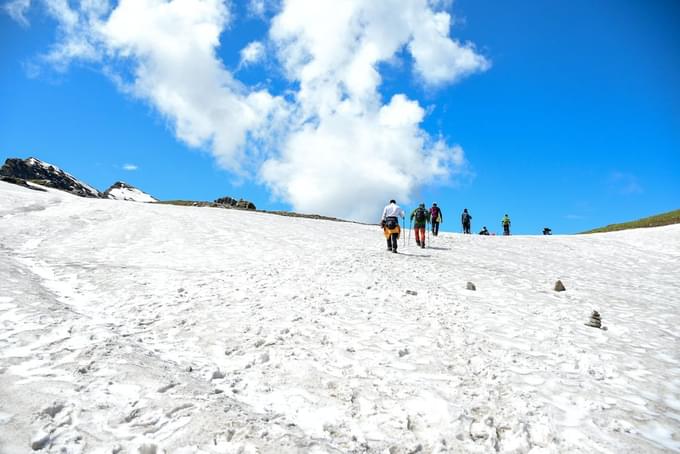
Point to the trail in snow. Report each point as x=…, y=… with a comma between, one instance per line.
x=140, y=327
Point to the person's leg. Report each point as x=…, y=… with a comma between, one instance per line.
x=417, y=230
x=422, y=236
x=395, y=241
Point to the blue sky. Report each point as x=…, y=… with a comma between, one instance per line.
x=567, y=114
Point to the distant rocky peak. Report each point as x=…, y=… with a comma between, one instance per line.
x=36, y=171
x=123, y=191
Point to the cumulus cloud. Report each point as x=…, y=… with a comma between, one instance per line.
x=328, y=143
x=130, y=167
x=349, y=152
x=252, y=53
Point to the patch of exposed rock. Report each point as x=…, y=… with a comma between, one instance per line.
x=243, y=204
x=36, y=171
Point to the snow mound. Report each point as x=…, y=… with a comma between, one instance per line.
x=124, y=191
x=155, y=328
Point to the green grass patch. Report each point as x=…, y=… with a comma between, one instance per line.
x=672, y=217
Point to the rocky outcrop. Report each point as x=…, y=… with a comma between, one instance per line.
x=123, y=191
x=35, y=171
x=243, y=204
x=226, y=201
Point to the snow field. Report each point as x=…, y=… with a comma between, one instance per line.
x=148, y=328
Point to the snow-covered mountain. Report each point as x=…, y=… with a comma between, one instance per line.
x=35, y=170
x=154, y=328
x=123, y=191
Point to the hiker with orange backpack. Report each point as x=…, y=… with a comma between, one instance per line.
x=390, y=224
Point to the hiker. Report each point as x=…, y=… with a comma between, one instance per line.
x=506, y=225
x=484, y=231
x=547, y=231
x=436, y=218
x=390, y=224
x=420, y=217
x=465, y=219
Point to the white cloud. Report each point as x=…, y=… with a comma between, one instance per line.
x=130, y=167
x=438, y=59
x=17, y=9
x=252, y=53
x=257, y=8
x=350, y=153
x=333, y=146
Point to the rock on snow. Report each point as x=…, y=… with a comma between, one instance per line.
x=154, y=328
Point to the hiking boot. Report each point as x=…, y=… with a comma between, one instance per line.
x=422, y=246
x=394, y=250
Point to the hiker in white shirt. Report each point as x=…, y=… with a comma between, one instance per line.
x=390, y=224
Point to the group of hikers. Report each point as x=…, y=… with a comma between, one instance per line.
x=420, y=217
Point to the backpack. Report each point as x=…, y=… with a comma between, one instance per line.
x=421, y=215
x=391, y=222
x=466, y=217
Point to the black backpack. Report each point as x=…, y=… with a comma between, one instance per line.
x=421, y=215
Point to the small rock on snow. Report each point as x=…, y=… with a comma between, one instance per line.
x=40, y=440
x=559, y=286
x=595, y=320
x=218, y=374
x=471, y=286
x=411, y=292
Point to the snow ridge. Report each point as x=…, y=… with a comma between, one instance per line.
x=130, y=327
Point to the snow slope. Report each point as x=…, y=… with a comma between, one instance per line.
x=153, y=328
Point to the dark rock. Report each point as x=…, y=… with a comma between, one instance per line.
x=243, y=204
x=40, y=441
x=226, y=201
x=36, y=171
x=559, y=286
x=595, y=320
x=471, y=286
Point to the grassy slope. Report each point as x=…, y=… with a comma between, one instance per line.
x=672, y=217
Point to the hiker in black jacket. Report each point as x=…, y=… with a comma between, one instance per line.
x=465, y=218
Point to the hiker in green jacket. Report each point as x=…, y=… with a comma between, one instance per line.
x=506, y=225
x=420, y=217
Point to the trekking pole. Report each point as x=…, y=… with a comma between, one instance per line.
x=403, y=225
x=409, y=231
x=427, y=227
